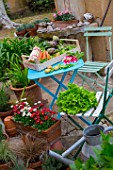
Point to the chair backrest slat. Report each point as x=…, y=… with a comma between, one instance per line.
x=105, y=28
x=93, y=34
x=97, y=32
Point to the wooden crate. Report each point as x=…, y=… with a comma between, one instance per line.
x=40, y=66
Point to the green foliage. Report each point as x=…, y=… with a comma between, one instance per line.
x=18, y=76
x=20, y=28
x=5, y=153
x=76, y=100
x=18, y=166
x=4, y=100
x=51, y=163
x=40, y=5
x=30, y=25
x=2, y=137
x=77, y=54
x=103, y=160
x=11, y=51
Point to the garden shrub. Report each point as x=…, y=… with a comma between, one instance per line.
x=41, y=5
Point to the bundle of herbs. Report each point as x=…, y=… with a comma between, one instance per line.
x=76, y=100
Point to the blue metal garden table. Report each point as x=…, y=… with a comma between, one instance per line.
x=35, y=75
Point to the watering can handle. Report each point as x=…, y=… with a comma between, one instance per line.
x=110, y=128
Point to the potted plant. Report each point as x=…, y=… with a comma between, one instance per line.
x=31, y=150
x=5, y=105
x=50, y=163
x=21, y=85
x=63, y=19
x=36, y=118
x=5, y=156
x=21, y=30
x=31, y=29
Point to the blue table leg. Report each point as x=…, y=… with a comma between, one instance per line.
x=73, y=76
x=58, y=89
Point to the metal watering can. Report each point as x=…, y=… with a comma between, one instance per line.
x=92, y=136
x=91, y=139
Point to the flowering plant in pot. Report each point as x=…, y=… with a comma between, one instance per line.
x=62, y=19
x=63, y=16
x=38, y=118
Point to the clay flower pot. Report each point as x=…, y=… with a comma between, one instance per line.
x=5, y=166
x=5, y=114
x=10, y=126
x=37, y=165
x=32, y=92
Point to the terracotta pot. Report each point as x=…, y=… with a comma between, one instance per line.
x=21, y=33
x=68, y=169
x=64, y=24
x=37, y=165
x=32, y=92
x=32, y=32
x=5, y=114
x=6, y=166
x=10, y=126
x=51, y=134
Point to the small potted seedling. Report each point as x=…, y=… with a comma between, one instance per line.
x=21, y=30
x=31, y=29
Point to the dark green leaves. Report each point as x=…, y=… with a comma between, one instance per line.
x=76, y=100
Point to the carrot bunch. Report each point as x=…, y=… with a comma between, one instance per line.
x=44, y=55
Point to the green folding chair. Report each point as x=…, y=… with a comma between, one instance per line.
x=94, y=66
x=95, y=115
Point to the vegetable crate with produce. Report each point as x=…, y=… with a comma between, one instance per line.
x=49, y=53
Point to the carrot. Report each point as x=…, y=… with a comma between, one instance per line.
x=47, y=55
x=44, y=55
x=40, y=56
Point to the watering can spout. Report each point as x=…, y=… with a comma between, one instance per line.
x=107, y=129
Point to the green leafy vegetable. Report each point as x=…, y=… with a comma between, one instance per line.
x=76, y=100
x=76, y=54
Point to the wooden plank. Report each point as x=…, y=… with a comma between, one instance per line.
x=98, y=28
x=98, y=34
x=100, y=106
x=110, y=65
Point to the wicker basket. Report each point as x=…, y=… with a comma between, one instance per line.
x=40, y=66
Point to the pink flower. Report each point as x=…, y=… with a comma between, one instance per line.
x=54, y=15
x=60, y=13
x=66, y=12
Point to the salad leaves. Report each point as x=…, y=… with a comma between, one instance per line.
x=76, y=100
